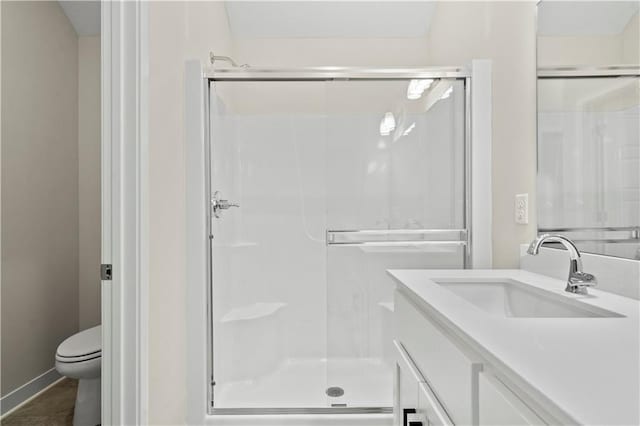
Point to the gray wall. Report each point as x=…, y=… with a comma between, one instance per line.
x=89, y=180
x=39, y=187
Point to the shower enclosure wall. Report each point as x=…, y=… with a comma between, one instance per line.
x=319, y=182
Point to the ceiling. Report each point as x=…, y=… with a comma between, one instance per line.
x=583, y=18
x=329, y=19
x=376, y=19
x=83, y=15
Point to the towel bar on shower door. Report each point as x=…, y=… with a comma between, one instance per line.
x=396, y=237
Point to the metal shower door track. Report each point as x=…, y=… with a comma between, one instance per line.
x=333, y=73
x=589, y=72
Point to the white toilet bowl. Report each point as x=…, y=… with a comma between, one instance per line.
x=79, y=357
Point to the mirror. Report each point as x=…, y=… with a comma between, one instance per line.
x=589, y=124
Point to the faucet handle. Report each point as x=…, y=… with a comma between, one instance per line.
x=584, y=278
x=579, y=281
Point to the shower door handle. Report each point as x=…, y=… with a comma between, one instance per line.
x=218, y=204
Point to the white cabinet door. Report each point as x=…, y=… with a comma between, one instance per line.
x=443, y=364
x=415, y=402
x=498, y=406
x=406, y=381
x=430, y=409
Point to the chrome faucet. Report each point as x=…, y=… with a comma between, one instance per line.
x=578, y=280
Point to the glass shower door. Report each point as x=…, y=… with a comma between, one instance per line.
x=395, y=199
x=268, y=254
x=318, y=188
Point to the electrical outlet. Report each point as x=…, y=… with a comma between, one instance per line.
x=522, y=208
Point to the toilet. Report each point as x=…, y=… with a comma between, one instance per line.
x=79, y=357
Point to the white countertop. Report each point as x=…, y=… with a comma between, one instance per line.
x=587, y=367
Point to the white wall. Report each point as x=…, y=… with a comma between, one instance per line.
x=631, y=41
x=578, y=50
x=503, y=32
x=89, y=181
x=308, y=52
x=178, y=31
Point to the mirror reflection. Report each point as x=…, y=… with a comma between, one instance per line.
x=589, y=124
x=588, y=33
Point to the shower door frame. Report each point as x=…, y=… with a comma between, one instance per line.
x=241, y=74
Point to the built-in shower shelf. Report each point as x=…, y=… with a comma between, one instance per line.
x=253, y=311
x=386, y=305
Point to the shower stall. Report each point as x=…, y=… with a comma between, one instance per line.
x=317, y=182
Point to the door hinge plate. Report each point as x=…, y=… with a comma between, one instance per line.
x=106, y=272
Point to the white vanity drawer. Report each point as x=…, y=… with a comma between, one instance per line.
x=450, y=373
x=498, y=406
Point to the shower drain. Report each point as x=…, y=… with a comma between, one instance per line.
x=335, y=391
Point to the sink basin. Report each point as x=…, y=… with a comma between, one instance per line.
x=510, y=298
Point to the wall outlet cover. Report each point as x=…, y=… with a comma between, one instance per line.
x=522, y=209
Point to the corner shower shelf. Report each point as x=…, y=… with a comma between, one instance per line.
x=240, y=244
x=253, y=311
x=387, y=305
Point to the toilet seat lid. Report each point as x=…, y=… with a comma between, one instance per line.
x=87, y=342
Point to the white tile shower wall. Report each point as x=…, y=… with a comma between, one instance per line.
x=614, y=274
x=275, y=230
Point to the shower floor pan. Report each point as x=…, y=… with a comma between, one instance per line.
x=303, y=383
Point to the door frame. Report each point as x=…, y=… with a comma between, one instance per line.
x=124, y=165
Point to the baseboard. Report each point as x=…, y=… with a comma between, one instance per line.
x=28, y=391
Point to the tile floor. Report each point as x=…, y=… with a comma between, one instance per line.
x=52, y=408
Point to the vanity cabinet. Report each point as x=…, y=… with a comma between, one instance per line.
x=499, y=406
x=449, y=371
x=438, y=381
x=406, y=381
x=416, y=402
